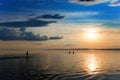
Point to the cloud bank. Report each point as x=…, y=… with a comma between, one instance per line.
x=16, y=29
x=21, y=34
x=111, y=3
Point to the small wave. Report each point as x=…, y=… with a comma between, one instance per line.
x=67, y=77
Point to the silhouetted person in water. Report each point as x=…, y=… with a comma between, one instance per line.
x=27, y=53
x=69, y=52
x=73, y=52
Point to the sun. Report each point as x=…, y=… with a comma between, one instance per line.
x=92, y=33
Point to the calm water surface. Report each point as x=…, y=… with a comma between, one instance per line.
x=60, y=65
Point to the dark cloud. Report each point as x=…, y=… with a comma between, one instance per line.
x=28, y=23
x=32, y=20
x=56, y=37
x=21, y=34
x=50, y=16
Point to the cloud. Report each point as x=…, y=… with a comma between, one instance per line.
x=55, y=37
x=21, y=34
x=114, y=3
x=111, y=3
x=31, y=20
x=81, y=17
x=88, y=2
x=50, y=16
x=27, y=23
x=82, y=14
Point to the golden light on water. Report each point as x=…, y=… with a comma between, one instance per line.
x=92, y=64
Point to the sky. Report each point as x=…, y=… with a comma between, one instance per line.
x=44, y=24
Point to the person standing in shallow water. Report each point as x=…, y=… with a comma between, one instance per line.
x=73, y=52
x=27, y=53
x=69, y=52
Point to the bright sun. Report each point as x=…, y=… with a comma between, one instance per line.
x=92, y=33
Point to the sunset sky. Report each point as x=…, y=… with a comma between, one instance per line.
x=82, y=23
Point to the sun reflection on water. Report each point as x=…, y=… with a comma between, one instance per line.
x=92, y=64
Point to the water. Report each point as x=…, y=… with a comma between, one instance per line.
x=60, y=65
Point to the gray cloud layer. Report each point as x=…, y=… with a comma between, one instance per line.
x=21, y=34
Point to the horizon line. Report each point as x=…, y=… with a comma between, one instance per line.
x=85, y=49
